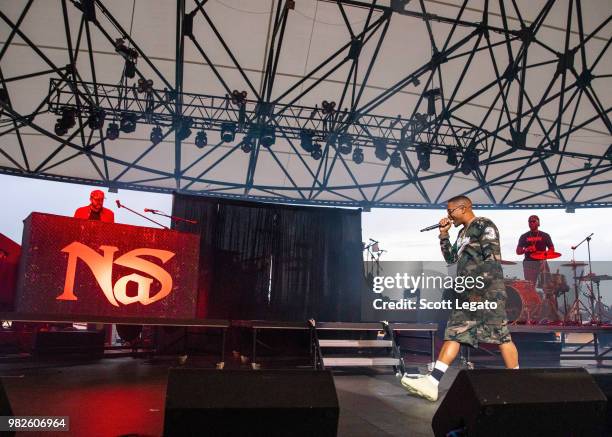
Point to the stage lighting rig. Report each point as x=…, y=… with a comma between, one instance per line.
x=396, y=159
x=66, y=122
x=380, y=149
x=247, y=144
x=306, y=140
x=201, y=139
x=268, y=136
x=95, y=120
x=156, y=135
x=228, y=132
x=144, y=86
x=127, y=123
x=130, y=55
x=431, y=96
x=345, y=144
x=112, y=131
x=358, y=155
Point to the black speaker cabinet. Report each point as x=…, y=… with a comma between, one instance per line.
x=201, y=402
x=604, y=381
x=525, y=402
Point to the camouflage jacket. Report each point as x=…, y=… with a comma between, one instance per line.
x=477, y=253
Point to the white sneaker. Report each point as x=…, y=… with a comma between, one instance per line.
x=421, y=386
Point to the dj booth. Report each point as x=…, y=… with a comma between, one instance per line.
x=86, y=270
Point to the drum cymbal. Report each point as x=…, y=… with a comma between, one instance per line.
x=506, y=262
x=595, y=278
x=574, y=264
x=542, y=255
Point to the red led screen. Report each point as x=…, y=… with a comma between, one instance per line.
x=90, y=268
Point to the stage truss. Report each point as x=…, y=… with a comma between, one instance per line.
x=507, y=102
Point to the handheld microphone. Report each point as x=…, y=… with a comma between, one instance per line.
x=150, y=210
x=118, y=203
x=430, y=228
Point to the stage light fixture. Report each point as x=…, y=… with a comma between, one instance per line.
x=328, y=107
x=380, y=149
x=470, y=161
x=396, y=159
x=201, y=139
x=431, y=96
x=228, y=132
x=316, y=153
x=345, y=144
x=95, y=120
x=238, y=98
x=306, y=140
x=66, y=121
x=247, y=144
x=451, y=157
x=358, y=155
x=423, y=155
x=183, y=129
x=156, y=135
x=127, y=123
x=112, y=131
x=268, y=136
x=144, y=86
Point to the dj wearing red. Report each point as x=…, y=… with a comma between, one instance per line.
x=530, y=242
x=95, y=210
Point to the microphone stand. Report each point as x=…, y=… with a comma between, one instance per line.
x=173, y=217
x=120, y=205
x=594, y=317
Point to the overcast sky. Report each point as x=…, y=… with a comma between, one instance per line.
x=396, y=229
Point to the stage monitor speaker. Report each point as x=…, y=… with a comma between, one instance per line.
x=202, y=402
x=604, y=381
x=5, y=407
x=525, y=402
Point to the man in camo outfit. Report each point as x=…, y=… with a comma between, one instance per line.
x=477, y=255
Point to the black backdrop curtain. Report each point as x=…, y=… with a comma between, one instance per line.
x=275, y=262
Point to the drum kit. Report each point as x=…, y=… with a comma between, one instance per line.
x=525, y=304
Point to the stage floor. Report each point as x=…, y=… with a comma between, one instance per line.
x=114, y=397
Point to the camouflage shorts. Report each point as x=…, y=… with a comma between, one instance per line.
x=471, y=332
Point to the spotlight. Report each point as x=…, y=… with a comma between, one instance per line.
x=431, y=95
x=396, y=159
x=423, y=155
x=268, y=136
x=238, y=98
x=95, y=120
x=144, y=86
x=228, y=132
x=380, y=149
x=130, y=55
x=156, y=135
x=328, y=107
x=247, y=144
x=201, y=139
x=345, y=144
x=183, y=129
x=316, y=153
x=470, y=161
x=127, y=123
x=66, y=122
x=451, y=157
x=358, y=155
x=306, y=140
x=112, y=131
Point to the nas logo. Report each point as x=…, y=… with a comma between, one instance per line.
x=102, y=268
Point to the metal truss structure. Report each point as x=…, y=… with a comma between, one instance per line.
x=402, y=103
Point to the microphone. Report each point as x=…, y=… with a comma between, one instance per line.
x=118, y=203
x=430, y=228
x=154, y=211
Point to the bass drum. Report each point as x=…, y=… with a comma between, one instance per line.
x=523, y=302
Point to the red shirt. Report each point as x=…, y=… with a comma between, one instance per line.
x=84, y=212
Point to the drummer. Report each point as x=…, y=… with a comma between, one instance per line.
x=530, y=242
